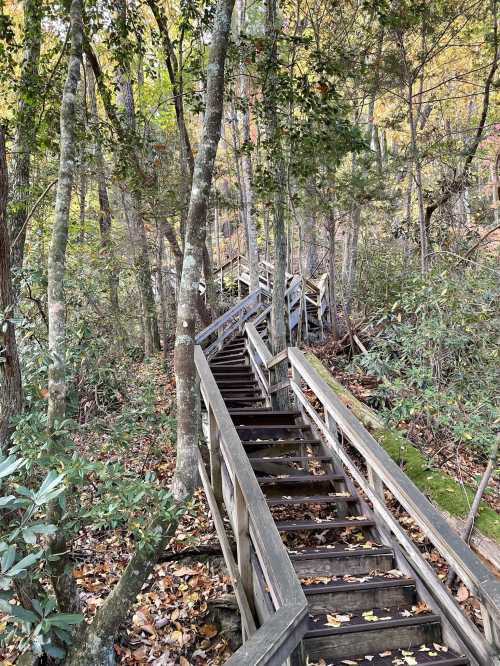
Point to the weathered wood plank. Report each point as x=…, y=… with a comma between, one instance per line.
x=267, y=542
x=464, y=561
x=246, y=613
x=272, y=644
x=475, y=641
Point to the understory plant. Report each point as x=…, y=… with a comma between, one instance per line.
x=437, y=356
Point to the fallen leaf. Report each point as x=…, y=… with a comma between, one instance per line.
x=208, y=630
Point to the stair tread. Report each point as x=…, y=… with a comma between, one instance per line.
x=266, y=411
x=291, y=459
x=311, y=499
x=350, y=583
x=271, y=426
x=279, y=442
x=321, y=524
x=429, y=657
x=387, y=617
x=339, y=550
x=300, y=478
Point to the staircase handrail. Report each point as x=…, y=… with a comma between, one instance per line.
x=255, y=533
x=336, y=422
x=254, y=296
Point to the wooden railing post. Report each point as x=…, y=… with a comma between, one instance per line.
x=243, y=550
x=215, y=457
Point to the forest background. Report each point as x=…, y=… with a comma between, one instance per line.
x=361, y=139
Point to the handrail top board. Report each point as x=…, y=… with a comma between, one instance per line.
x=463, y=560
x=211, y=328
x=258, y=343
x=285, y=585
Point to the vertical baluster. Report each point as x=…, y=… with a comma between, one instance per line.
x=331, y=424
x=243, y=544
x=215, y=457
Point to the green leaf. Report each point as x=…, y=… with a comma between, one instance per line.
x=10, y=465
x=6, y=501
x=65, y=619
x=23, y=614
x=54, y=651
x=8, y=558
x=25, y=563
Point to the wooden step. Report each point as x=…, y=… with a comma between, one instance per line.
x=292, y=459
x=321, y=524
x=265, y=411
x=338, y=560
x=267, y=443
x=251, y=401
x=429, y=657
x=224, y=363
x=243, y=390
x=230, y=369
x=375, y=637
x=236, y=381
x=368, y=592
x=310, y=499
x=256, y=418
x=299, y=479
x=277, y=426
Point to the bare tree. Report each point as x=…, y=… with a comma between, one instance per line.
x=278, y=322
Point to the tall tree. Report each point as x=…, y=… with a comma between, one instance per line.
x=132, y=200
x=64, y=584
x=278, y=168
x=105, y=217
x=25, y=129
x=246, y=159
x=11, y=397
x=185, y=371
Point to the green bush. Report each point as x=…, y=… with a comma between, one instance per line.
x=437, y=354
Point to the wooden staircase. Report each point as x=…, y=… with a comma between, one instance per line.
x=362, y=609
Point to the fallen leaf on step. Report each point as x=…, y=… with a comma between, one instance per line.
x=462, y=593
x=411, y=661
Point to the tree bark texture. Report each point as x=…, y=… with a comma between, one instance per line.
x=246, y=163
x=64, y=584
x=28, y=102
x=95, y=647
x=186, y=465
x=105, y=217
x=278, y=320
x=132, y=200
x=11, y=396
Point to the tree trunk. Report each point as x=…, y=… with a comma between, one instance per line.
x=133, y=201
x=350, y=258
x=105, y=218
x=332, y=274
x=11, y=396
x=162, y=291
x=309, y=252
x=412, y=121
x=278, y=321
x=246, y=164
x=28, y=102
x=185, y=373
x=64, y=584
x=95, y=646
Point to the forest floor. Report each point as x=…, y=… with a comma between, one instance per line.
x=170, y=623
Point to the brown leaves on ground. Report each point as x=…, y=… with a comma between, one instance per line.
x=170, y=623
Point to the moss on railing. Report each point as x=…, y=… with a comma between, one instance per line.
x=439, y=487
